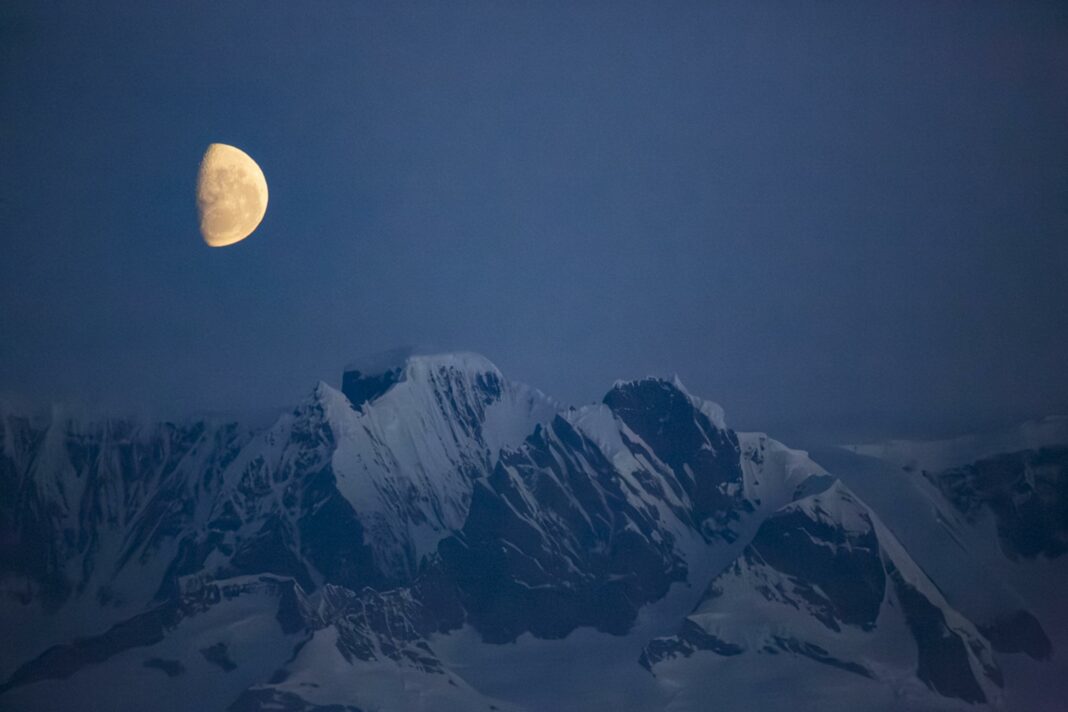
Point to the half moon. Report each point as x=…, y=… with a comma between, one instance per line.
x=231, y=195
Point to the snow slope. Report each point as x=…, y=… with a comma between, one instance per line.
x=435, y=536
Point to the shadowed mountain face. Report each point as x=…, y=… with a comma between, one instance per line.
x=373, y=545
x=1027, y=492
x=552, y=542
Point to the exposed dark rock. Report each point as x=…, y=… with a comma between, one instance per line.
x=690, y=639
x=1019, y=633
x=556, y=538
x=374, y=626
x=585, y=556
x=705, y=460
x=361, y=388
x=943, y=657
x=112, y=457
x=331, y=535
x=219, y=655
x=271, y=550
x=1027, y=492
x=839, y=572
x=815, y=652
x=143, y=630
x=64, y=660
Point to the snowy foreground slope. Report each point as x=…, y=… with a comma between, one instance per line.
x=436, y=537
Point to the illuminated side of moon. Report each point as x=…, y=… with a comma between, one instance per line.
x=231, y=195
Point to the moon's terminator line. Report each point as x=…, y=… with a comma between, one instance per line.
x=231, y=195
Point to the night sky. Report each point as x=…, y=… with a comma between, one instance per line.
x=835, y=217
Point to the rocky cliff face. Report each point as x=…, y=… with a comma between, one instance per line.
x=1025, y=491
x=345, y=556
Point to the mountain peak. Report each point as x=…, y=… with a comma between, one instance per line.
x=655, y=391
x=413, y=357
x=434, y=506
x=368, y=378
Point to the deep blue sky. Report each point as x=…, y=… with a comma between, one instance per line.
x=847, y=216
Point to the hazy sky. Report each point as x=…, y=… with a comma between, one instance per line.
x=829, y=215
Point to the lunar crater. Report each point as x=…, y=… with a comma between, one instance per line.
x=231, y=195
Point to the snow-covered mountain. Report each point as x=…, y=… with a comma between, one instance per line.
x=824, y=579
x=986, y=515
x=435, y=536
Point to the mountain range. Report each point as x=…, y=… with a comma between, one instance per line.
x=434, y=536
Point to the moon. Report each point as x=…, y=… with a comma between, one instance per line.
x=231, y=195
